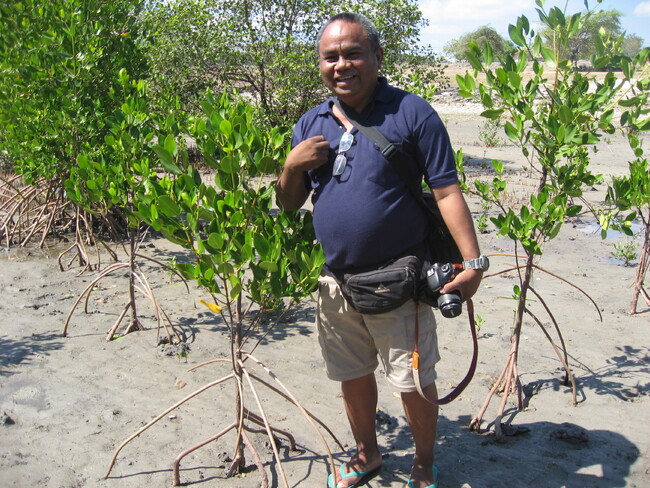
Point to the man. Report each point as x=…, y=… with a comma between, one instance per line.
x=364, y=216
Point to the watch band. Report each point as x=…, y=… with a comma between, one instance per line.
x=482, y=262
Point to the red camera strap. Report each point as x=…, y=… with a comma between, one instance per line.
x=470, y=372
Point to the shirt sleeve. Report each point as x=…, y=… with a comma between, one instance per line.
x=436, y=151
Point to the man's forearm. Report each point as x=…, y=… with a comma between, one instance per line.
x=459, y=220
x=290, y=190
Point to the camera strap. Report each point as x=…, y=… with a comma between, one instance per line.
x=397, y=159
x=415, y=363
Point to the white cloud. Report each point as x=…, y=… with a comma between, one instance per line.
x=449, y=19
x=642, y=9
x=441, y=11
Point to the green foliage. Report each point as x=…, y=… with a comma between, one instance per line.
x=553, y=117
x=243, y=248
x=625, y=251
x=583, y=44
x=58, y=64
x=109, y=175
x=489, y=132
x=421, y=74
x=630, y=195
x=480, y=321
x=266, y=49
x=457, y=48
x=483, y=219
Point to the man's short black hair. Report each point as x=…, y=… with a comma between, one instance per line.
x=353, y=18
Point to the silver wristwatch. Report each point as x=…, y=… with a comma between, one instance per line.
x=481, y=262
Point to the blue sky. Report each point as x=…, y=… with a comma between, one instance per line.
x=450, y=19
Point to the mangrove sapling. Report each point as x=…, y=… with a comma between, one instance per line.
x=252, y=259
x=632, y=192
x=554, y=117
x=510, y=367
x=137, y=282
x=106, y=181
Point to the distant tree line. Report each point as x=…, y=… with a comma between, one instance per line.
x=267, y=49
x=581, y=47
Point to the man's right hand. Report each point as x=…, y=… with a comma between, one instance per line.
x=309, y=154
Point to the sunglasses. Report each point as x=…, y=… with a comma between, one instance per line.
x=341, y=161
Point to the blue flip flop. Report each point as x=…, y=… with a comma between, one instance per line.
x=364, y=476
x=435, y=477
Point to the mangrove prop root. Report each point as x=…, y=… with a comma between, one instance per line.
x=287, y=396
x=264, y=483
x=163, y=321
x=86, y=293
x=562, y=357
x=256, y=419
x=244, y=416
x=475, y=423
x=307, y=412
x=302, y=410
x=179, y=458
x=509, y=381
x=160, y=416
x=641, y=271
x=269, y=432
x=111, y=331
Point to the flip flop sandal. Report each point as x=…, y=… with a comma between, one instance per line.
x=435, y=477
x=363, y=475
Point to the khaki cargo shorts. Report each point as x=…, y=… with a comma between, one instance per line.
x=351, y=341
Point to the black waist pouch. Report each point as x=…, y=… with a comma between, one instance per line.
x=382, y=289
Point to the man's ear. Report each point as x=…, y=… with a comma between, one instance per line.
x=379, y=55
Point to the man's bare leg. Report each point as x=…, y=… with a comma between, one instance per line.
x=423, y=419
x=360, y=400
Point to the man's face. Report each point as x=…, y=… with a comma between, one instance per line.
x=348, y=63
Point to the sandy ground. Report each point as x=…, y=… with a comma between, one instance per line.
x=67, y=403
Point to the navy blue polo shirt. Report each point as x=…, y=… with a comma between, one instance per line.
x=367, y=216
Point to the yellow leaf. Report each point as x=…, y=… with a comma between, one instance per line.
x=212, y=306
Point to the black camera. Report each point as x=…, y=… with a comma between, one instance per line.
x=449, y=303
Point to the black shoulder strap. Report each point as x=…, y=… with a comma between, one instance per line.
x=396, y=157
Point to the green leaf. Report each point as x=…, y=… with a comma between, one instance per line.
x=492, y=114
x=229, y=164
x=216, y=241
x=262, y=245
x=168, y=207
x=269, y=266
x=82, y=161
x=488, y=56
x=474, y=59
x=167, y=160
x=516, y=35
x=498, y=166
x=226, y=127
x=170, y=145
x=511, y=131
x=549, y=56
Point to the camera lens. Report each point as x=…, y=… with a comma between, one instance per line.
x=450, y=305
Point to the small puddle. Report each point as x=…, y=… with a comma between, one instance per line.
x=594, y=228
